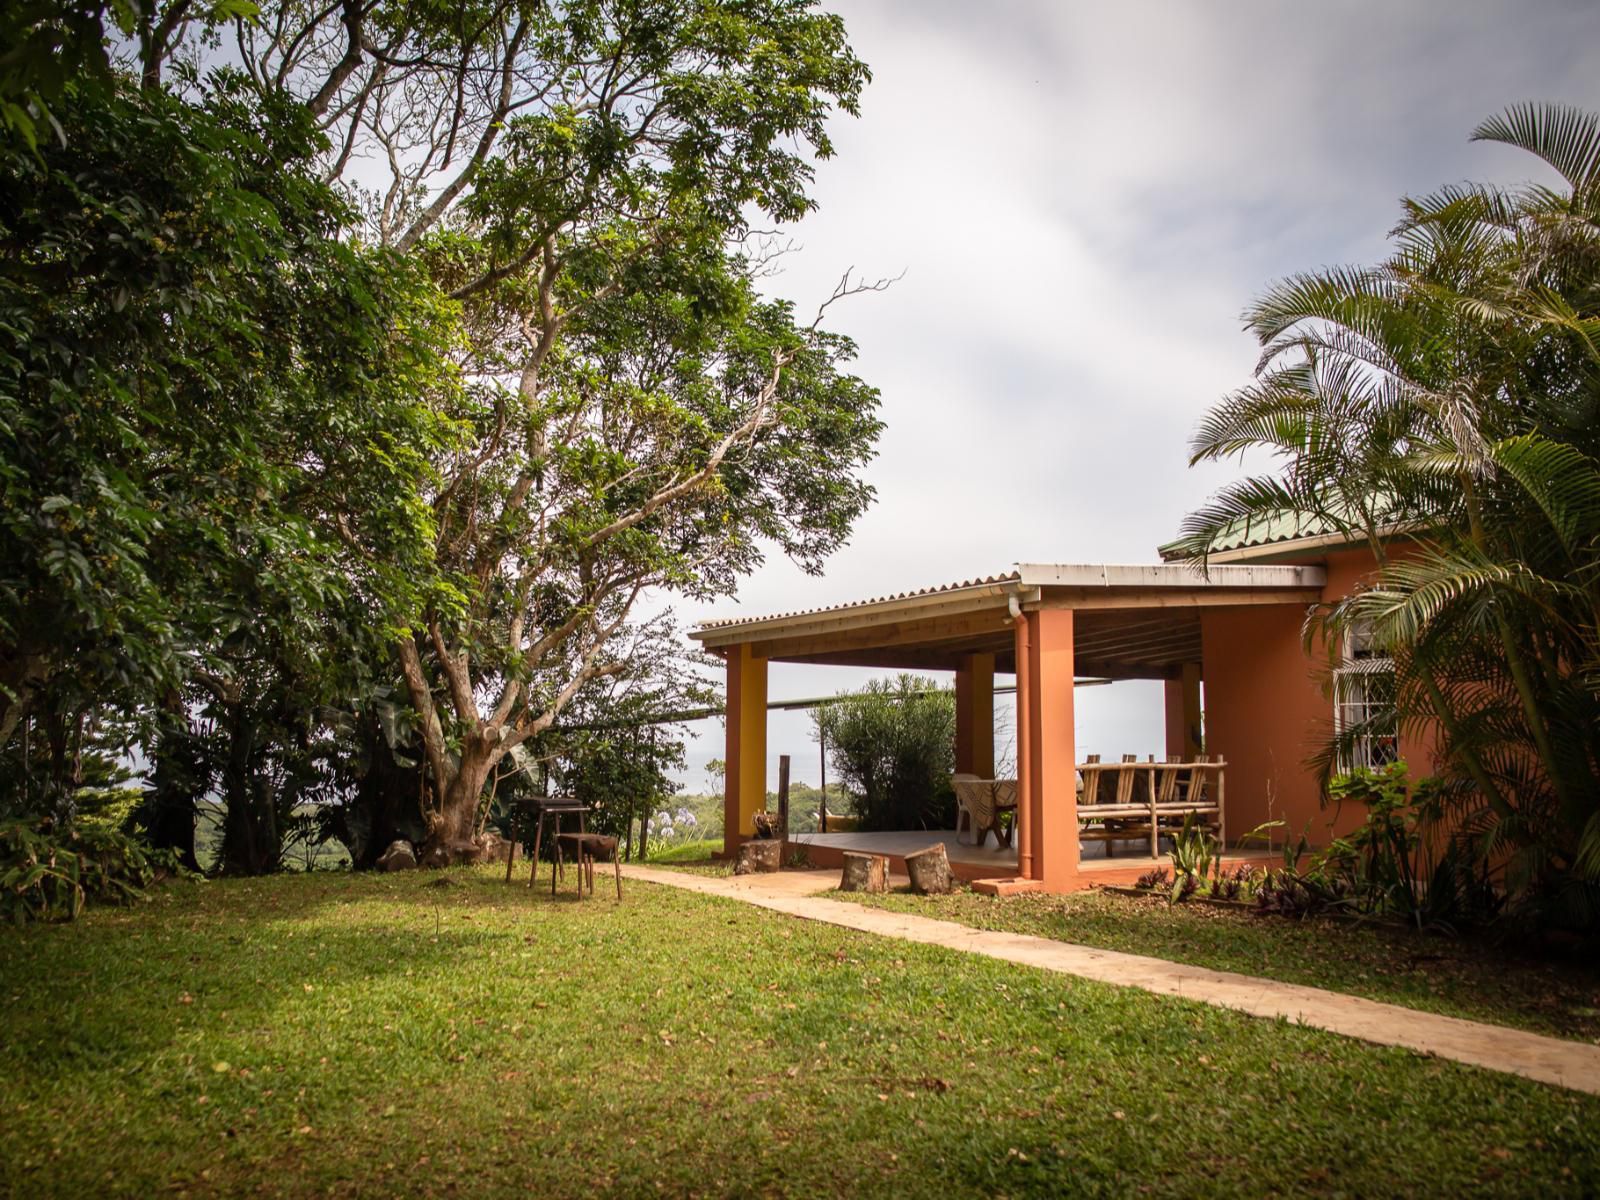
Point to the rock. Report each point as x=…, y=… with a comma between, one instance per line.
x=930, y=871
x=464, y=853
x=759, y=857
x=398, y=857
x=864, y=872
x=434, y=855
x=492, y=848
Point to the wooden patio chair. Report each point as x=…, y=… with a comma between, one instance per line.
x=1121, y=786
x=1090, y=793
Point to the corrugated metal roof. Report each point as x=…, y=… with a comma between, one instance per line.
x=986, y=581
x=1286, y=526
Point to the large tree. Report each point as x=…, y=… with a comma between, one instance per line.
x=217, y=413
x=582, y=179
x=624, y=411
x=1453, y=393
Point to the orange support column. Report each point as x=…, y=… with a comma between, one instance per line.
x=975, y=715
x=1172, y=697
x=1183, y=713
x=1051, y=793
x=745, y=778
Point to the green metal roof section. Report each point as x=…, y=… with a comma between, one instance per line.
x=1269, y=530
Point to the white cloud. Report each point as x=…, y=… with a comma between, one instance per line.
x=1084, y=197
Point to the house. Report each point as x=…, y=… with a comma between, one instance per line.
x=1229, y=645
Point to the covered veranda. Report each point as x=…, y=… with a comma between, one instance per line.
x=1048, y=625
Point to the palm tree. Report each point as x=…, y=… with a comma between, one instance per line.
x=1452, y=393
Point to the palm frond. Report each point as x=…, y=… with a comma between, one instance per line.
x=1565, y=137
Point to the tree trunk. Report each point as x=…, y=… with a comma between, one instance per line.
x=452, y=839
x=246, y=829
x=169, y=805
x=385, y=807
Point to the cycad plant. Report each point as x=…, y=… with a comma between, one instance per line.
x=1442, y=407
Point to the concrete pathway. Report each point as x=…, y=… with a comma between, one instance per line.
x=1567, y=1064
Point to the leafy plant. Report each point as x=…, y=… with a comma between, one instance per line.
x=1237, y=884
x=51, y=876
x=1155, y=878
x=1193, y=852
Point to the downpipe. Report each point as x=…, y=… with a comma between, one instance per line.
x=1024, y=647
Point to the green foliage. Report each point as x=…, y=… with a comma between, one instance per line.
x=1193, y=852
x=1453, y=391
x=1197, y=864
x=49, y=875
x=1406, y=861
x=325, y=353
x=892, y=747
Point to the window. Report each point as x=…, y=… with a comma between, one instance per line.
x=1363, y=703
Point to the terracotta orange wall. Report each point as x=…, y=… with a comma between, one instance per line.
x=1268, y=710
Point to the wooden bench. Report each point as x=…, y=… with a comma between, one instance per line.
x=1168, y=793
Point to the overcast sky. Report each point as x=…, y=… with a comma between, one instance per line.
x=1083, y=197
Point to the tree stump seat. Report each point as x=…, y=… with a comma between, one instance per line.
x=759, y=856
x=929, y=870
x=864, y=872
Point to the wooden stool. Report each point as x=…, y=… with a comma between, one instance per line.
x=536, y=809
x=586, y=848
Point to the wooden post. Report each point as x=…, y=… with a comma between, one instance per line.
x=822, y=805
x=783, y=796
x=1155, y=835
x=1222, y=811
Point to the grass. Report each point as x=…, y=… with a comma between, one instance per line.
x=1437, y=974
x=444, y=1034
x=694, y=858
x=691, y=853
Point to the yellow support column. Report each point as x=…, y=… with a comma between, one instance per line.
x=745, y=781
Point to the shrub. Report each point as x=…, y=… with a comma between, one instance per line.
x=892, y=745
x=50, y=875
x=1405, y=861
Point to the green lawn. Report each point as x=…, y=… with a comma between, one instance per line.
x=686, y=853
x=694, y=858
x=1438, y=974
x=444, y=1034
